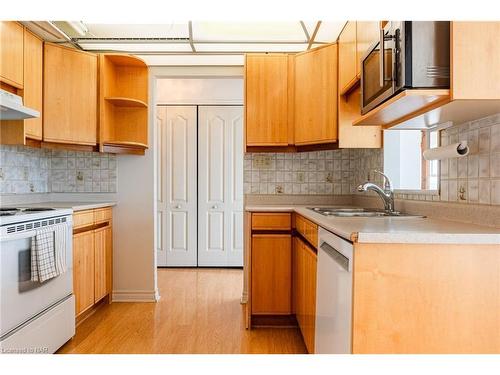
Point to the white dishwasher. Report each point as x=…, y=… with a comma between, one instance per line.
x=333, y=294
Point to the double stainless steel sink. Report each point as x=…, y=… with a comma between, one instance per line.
x=358, y=212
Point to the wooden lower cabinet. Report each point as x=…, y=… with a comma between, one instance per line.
x=102, y=250
x=92, y=258
x=426, y=298
x=83, y=270
x=271, y=274
x=304, y=290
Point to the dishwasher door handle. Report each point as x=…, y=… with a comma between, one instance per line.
x=336, y=255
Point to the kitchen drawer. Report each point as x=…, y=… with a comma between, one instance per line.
x=271, y=221
x=103, y=214
x=83, y=219
x=307, y=229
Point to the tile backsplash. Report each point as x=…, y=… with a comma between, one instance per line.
x=474, y=179
x=316, y=172
x=33, y=170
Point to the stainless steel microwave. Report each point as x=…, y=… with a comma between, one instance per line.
x=416, y=55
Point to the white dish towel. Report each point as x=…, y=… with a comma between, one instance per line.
x=48, y=252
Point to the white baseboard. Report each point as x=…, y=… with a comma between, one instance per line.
x=135, y=296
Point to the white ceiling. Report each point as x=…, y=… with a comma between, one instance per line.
x=162, y=44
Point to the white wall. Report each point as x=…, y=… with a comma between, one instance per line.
x=196, y=91
x=134, y=220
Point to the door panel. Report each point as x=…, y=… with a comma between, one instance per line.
x=271, y=274
x=177, y=185
x=83, y=270
x=100, y=266
x=220, y=190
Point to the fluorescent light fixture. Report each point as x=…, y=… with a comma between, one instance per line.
x=252, y=31
x=246, y=47
x=79, y=27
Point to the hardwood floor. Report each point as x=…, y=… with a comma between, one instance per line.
x=199, y=312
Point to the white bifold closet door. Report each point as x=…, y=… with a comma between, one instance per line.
x=177, y=186
x=220, y=186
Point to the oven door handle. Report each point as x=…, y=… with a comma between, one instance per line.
x=18, y=236
x=382, y=58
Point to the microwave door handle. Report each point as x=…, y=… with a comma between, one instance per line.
x=382, y=58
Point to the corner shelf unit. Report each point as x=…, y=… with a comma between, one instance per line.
x=123, y=101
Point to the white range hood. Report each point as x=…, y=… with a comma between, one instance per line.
x=12, y=108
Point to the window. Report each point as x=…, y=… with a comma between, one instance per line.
x=403, y=160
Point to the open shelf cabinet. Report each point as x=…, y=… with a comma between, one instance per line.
x=123, y=100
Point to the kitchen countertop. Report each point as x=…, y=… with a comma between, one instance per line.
x=393, y=229
x=75, y=206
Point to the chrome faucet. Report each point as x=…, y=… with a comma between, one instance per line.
x=387, y=193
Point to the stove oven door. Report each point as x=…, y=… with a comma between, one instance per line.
x=20, y=298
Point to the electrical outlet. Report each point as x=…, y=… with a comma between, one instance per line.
x=262, y=161
x=461, y=193
x=279, y=189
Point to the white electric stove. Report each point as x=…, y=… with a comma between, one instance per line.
x=36, y=317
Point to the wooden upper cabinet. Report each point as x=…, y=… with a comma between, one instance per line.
x=33, y=82
x=316, y=96
x=266, y=99
x=355, y=39
x=123, y=104
x=351, y=136
x=12, y=53
x=367, y=33
x=70, y=96
x=475, y=54
x=348, y=57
